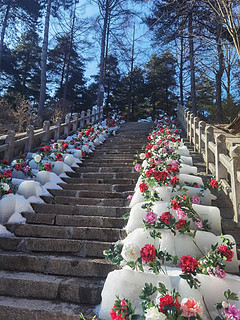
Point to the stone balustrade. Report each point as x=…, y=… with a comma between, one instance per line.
x=11, y=145
x=221, y=153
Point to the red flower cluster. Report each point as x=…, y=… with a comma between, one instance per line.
x=188, y=264
x=166, y=302
x=48, y=166
x=148, y=154
x=161, y=175
x=175, y=204
x=149, y=146
x=165, y=217
x=47, y=148
x=181, y=223
x=148, y=253
x=7, y=173
x=149, y=173
x=59, y=157
x=17, y=167
x=143, y=187
x=214, y=184
x=226, y=252
x=174, y=181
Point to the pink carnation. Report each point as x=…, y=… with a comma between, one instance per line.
x=191, y=308
x=129, y=197
x=175, y=162
x=220, y=273
x=137, y=167
x=181, y=214
x=150, y=217
x=199, y=224
x=195, y=200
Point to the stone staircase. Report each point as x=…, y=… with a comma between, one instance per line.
x=54, y=268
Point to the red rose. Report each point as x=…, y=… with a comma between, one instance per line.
x=149, y=173
x=165, y=216
x=148, y=155
x=175, y=204
x=7, y=173
x=149, y=138
x=196, y=185
x=9, y=191
x=181, y=223
x=165, y=175
x=176, y=130
x=175, y=169
x=188, y=264
x=47, y=148
x=167, y=301
x=22, y=156
x=48, y=166
x=173, y=139
x=149, y=146
x=59, y=157
x=72, y=142
x=17, y=167
x=41, y=148
x=92, y=129
x=174, y=181
x=169, y=168
x=226, y=252
x=148, y=253
x=4, y=161
x=83, y=154
x=158, y=175
x=143, y=187
x=214, y=184
x=65, y=145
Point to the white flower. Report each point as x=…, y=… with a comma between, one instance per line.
x=225, y=305
x=131, y=252
x=142, y=156
x=5, y=187
x=154, y=314
x=37, y=158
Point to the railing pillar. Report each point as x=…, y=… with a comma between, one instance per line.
x=188, y=124
x=221, y=171
x=235, y=183
x=93, y=115
x=57, y=132
x=88, y=116
x=82, y=119
x=75, y=121
x=10, y=140
x=201, y=130
x=30, y=141
x=101, y=113
x=67, y=127
x=208, y=153
x=191, y=127
x=195, y=127
x=46, y=127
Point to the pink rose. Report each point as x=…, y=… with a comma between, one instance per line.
x=195, y=199
x=175, y=162
x=137, y=167
x=150, y=217
x=181, y=214
x=191, y=308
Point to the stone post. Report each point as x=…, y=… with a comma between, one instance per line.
x=46, y=133
x=195, y=139
x=10, y=140
x=188, y=124
x=82, y=119
x=235, y=183
x=88, y=116
x=75, y=122
x=101, y=113
x=68, y=125
x=57, y=132
x=93, y=115
x=208, y=152
x=202, y=126
x=30, y=142
x=221, y=171
x=191, y=127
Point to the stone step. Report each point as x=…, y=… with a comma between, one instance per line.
x=74, y=221
x=86, y=201
x=101, y=175
x=84, y=210
x=109, y=161
x=55, y=265
x=99, y=187
x=65, y=232
x=96, y=163
x=26, y=309
x=100, y=181
x=88, y=194
x=81, y=248
x=48, y=287
x=109, y=169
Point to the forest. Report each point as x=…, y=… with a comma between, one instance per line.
x=46, y=47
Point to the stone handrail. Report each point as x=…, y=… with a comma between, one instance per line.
x=11, y=147
x=221, y=153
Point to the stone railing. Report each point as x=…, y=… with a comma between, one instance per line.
x=221, y=152
x=11, y=145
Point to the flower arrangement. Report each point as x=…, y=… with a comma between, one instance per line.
x=213, y=263
x=122, y=310
x=228, y=311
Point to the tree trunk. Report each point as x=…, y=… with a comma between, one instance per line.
x=44, y=61
x=219, y=111
x=192, y=64
x=130, y=102
x=102, y=58
x=69, y=56
x=4, y=29
x=181, y=68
